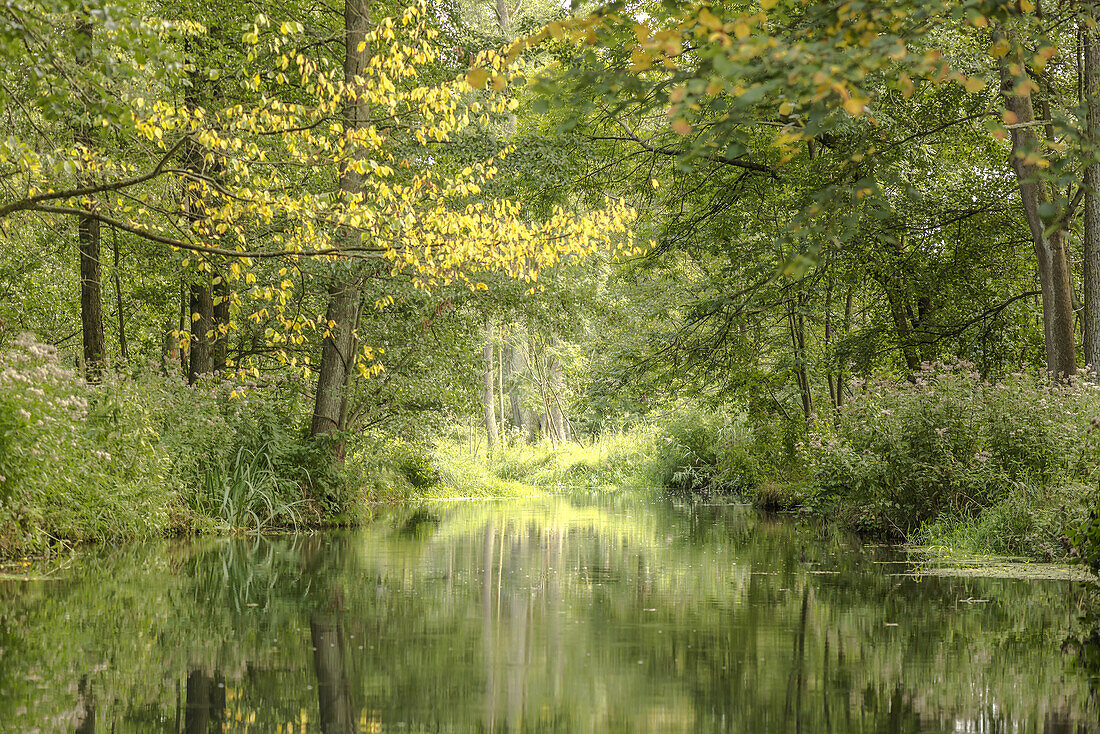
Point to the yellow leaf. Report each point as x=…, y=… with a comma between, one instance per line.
x=741, y=30
x=853, y=106
x=974, y=84
x=786, y=108
x=999, y=48
x=1010, y=117
x=477, y=78
x=681, y=127
x=709, y=20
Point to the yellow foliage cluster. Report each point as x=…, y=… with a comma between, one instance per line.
x=263, y=180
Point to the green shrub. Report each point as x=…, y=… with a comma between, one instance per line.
x=949, y=445
x=77, y=462
x=248, y=493
x=702, y=452
x=145, y=454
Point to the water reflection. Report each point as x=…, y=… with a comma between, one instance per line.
x=601, y=614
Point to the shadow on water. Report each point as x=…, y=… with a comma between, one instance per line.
x=573, y=613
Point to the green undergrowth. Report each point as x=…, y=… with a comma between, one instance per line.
x=514, y=467
x=393, y=470
x=142, y=454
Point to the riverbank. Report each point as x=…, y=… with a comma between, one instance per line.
x=944, y=461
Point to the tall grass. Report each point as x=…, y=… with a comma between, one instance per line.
x=514, y=467
x=247, y=493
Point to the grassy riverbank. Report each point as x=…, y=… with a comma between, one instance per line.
x=945, y=461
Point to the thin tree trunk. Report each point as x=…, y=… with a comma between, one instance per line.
x=171, y=345
x=841, y=384
x=1048, y=237
x=201, y=321
x=123, y=347
x=504, y=21
x=502, y=416
x=517, y=370
x=337, y=354
x=538, y=359
x=1090, y=85
x=184, y=327
x=558, y=423
x=489, y=401
x=829, y=340
x=798, y=343
x=88, y=240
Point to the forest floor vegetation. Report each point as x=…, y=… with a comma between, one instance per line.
x=946, y=460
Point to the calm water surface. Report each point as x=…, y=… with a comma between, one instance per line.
x=567, y=614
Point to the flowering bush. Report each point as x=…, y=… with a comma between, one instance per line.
x=950, y=444
x=136, y=455
x=75, y=460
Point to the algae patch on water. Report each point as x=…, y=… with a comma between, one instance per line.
x=932, y=561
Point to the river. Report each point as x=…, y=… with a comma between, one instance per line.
x=587, y=612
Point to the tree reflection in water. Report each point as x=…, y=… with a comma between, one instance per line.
x=601, y=614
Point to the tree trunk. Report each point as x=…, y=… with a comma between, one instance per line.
x=829, y=341
x=338, y=351
x=488, y=400
x=1048, y=237
x=516, y=365
x=91, y=297
x=221, y=321
x=1091, y=91
x=337, y=358
x=184, y=327
x=504, y=20
x=201, y=361
x=88, y=240
x=123, y=347
x=841, y=382
x=796, y=322
x=559, y=424
x=333, y=687
x=201, y=298
x=171, y=351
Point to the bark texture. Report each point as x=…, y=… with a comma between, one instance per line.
x=338, y=350
x=1090, y=88
x=88, y=240
x=1048, y=235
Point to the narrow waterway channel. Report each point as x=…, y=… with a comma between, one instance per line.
x=580, y=613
